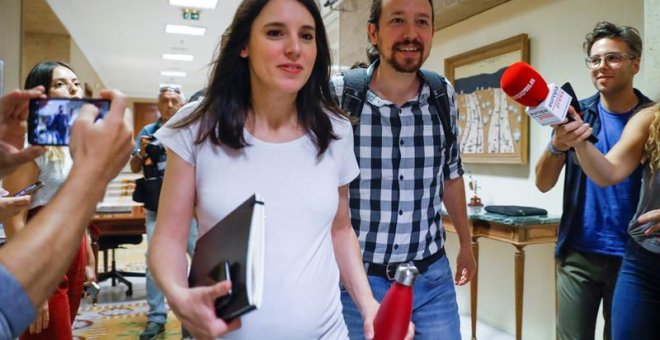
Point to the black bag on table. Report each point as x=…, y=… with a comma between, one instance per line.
x=515, y=210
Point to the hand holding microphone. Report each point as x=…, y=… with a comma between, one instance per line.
x=547, y=104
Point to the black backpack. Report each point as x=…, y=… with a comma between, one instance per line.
x=355, y=92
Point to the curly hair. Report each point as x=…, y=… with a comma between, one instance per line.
x=652, y=146
x=604, y=29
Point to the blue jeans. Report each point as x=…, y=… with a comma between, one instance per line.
x=636, y=305
x=157, y=310
x=435, y=312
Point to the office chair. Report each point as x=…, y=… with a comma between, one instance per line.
x=112, y=243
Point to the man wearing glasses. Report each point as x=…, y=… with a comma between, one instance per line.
x=149, y=157
x=592, y=232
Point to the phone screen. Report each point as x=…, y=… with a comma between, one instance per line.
x=50, y=119
x=30, y=189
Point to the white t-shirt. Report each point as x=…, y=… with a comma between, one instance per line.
x=53, y=174
x=300, y=191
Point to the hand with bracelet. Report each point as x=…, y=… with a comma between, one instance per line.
x=567, y=134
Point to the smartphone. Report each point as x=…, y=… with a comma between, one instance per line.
x=92, y=290
x=50, y=119
x=30, y=189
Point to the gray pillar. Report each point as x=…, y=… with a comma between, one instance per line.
x=651, y=54
x=10, y=42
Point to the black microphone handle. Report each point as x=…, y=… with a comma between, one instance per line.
x=575, y=103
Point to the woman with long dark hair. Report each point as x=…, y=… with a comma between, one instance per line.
x=54, y=318
x=267, y=125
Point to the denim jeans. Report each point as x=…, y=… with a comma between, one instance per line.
x=435, y=312
x=636, y=305
x=155, y=299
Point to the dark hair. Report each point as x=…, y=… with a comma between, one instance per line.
x=604, y=29
x=374, y=18
x=377, y=9
x=224, y=109
x=42, y=74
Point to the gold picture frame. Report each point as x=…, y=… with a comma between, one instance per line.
x=492, y=127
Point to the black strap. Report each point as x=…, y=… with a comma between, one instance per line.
x=440, y=103
x=355, y=93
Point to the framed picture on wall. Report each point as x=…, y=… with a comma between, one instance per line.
x=492, y=127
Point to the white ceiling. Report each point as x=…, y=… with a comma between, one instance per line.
x=124, y=41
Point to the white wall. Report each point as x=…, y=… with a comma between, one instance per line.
x=556, y=29
x=84, y=70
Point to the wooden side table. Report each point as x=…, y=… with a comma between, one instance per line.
x=517, y=231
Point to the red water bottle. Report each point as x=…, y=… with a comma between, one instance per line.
x=393, y=317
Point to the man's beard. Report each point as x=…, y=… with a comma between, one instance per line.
x=408, y=65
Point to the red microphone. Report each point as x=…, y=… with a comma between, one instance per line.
x=524, y=84
x=546, y=103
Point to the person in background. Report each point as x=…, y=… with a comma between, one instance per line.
x=405, y=173
x=592, y=232
x=149, y=157
x=56, y=317
x=267, y=125
x=100, y=150
x=636, y=301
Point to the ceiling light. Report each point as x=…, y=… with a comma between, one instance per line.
x=185, y=29
x=173, y=73
x=178, y=57
x=210, y=4
x=176, y=86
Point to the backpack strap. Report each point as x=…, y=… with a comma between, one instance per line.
x=355, y=91
x=439, y=101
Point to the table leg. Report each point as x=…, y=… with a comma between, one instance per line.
x=473, y=289
x=95, y=250
x=520, y=285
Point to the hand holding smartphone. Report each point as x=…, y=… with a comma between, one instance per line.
x=30, y=189
x=92, y=290
x=50, y=119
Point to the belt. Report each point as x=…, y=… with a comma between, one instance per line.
x=387, y=270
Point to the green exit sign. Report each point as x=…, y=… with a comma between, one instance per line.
x=190, y=14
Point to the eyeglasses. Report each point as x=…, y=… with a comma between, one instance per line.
x=612, y=59
x=169, y=88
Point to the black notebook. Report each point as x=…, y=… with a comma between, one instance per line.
x=233, y=250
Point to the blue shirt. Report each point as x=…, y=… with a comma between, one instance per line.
x=607, y=211
x=16, y=309
x=575, y=179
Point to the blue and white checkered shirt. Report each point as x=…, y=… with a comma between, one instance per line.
x=396, y=201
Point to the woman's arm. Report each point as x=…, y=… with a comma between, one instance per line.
x=195, y=307
x=167, y=251
x=23, y=176
x=623, y=158
x=351, y=268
